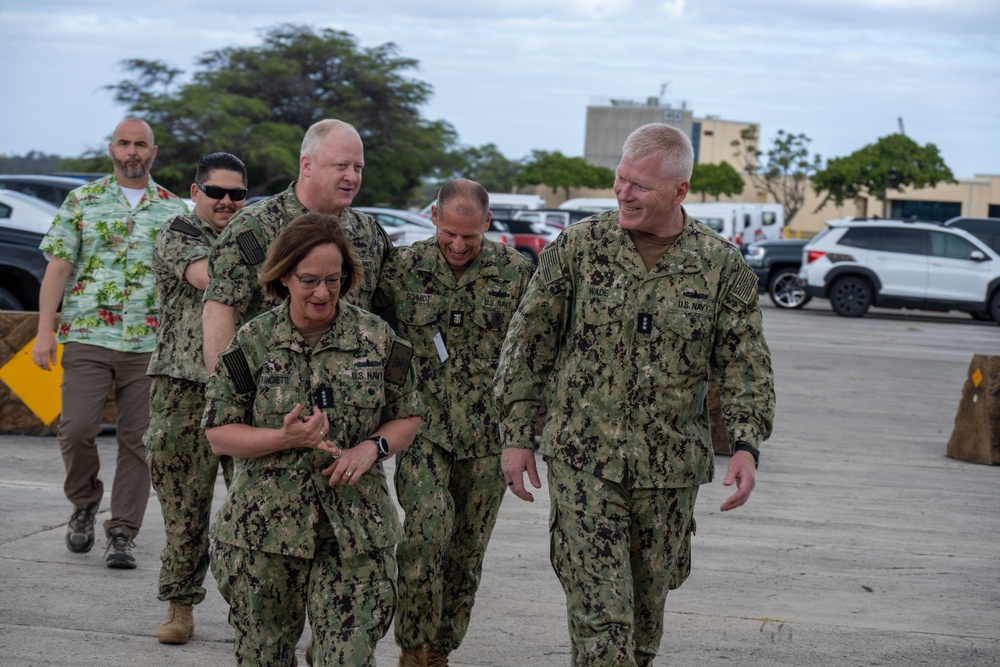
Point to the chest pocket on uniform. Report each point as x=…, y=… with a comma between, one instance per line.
x=277, y=394
x=682, y=340
x=418, y=324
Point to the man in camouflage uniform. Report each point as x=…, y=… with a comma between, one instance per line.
x=101, y=249
x=626, y=314
x=330, y=164
x=454, y=295
x=181, y=463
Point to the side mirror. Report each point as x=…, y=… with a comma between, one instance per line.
x=977, y=256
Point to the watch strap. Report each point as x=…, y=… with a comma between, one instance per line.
x=747, y=447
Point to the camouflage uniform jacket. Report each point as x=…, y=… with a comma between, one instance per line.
x=621, y=355
x=110, y=298
x=238, y=254
x=275, y=501
x=472, y=314
x=181, y=242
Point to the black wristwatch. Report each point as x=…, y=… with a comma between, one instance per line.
x=382, y=445
x=747, y=447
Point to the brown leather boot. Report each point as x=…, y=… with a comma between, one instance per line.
x=179, y=626
x=436, y=657
x=412, y=657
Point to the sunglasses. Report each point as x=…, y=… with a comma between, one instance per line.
x=215, y=192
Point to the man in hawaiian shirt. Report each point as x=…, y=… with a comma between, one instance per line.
x=101, y=248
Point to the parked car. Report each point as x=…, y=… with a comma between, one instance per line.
x=985, y=229
x=897, y=264
x=403, y=227
x=777, y=264
x=52, y=189
x=23, y=223
x=530, y=237
x=553, y=217
x=500, y=233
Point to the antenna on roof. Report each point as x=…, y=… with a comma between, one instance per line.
x=901, y=130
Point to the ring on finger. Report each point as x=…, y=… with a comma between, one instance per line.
x=348, y=473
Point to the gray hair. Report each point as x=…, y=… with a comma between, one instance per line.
x=663, y=141
x=319, y=131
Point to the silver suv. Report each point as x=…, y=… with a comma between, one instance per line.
x=895, y=264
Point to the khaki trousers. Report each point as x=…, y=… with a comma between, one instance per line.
x=88, y=375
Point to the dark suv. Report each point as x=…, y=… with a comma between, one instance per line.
x=985, y=229
x=776, y=263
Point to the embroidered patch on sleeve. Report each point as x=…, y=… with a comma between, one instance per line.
x=239, y=370
x=250, y=248
x=179, y=225
x=550, y=265
x=745, y=285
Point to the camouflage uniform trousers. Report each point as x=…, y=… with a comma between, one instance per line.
x=616, y=551
x=451, y=507
x=183, y=470
x=350, y=602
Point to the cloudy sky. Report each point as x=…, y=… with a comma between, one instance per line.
x=520, y=73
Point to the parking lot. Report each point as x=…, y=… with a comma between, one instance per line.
x=863, y=544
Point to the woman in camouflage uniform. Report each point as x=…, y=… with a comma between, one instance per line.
x=310, y=397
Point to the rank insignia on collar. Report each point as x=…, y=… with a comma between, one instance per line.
x=457, y=318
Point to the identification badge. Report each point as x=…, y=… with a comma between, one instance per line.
x=644, y=323
x=323, y=397
x=439, y=345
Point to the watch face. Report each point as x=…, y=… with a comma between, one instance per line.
x=383, y=446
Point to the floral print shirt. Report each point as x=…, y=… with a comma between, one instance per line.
x=110, y=298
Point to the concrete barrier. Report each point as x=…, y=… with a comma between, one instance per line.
x=30, y=399
x=976, y=436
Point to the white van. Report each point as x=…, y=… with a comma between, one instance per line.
x=592, y=204
x=741, y=223
x=503, y=202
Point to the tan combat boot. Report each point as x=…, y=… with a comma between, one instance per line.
x=412, y=657
x=436, y=657
x=179, y=626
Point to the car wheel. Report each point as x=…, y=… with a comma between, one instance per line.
x=786, y=291
x=528, y=255
x=850, y=297
x=8, y=301
x=995, y=307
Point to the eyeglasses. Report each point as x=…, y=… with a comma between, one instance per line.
x=215, y=192
x=310, y=283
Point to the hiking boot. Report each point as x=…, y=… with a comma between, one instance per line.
x=119, y=552
x=179, y=626
x=436, y=657
x=412, y=657
x=80, y=531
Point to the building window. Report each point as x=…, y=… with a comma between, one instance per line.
x=935, y=211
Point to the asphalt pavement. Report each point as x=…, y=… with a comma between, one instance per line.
x=863, y=544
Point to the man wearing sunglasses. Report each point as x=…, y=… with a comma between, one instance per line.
x=181, y=463
x=330, y=163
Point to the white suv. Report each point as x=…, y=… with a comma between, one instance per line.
x=895, y=264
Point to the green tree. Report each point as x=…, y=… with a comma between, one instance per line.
x=891, y=163
x=258, y=101
x=783, y=171
x=558, y=171
x=32, y=162
x=487, y=166
x=716, y=180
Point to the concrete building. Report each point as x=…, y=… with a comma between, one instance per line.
x=609, y=122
